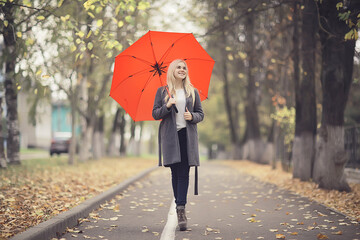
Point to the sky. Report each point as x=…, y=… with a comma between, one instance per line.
x=172, y=17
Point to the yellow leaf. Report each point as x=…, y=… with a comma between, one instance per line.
x=60, y=3
x=337, y=233
x=6, y=23
x=19, y=34
x=80, y=34
x=40, y=18
x=322, y=236
x=38, y=72
x=280, y=236
x=91, y=15
x=19, y=87
x=143, y=5
x=73, y=48
x=89, y=34
x=294, y=233
x=120, y=24
x=90, y=45
x=99, y=22
x=98, y=9
x=128, y=19
x=45, y=76
x=339, y=5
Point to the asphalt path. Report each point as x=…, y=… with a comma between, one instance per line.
x=230, y=205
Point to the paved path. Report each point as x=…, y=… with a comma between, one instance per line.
x=230, y=206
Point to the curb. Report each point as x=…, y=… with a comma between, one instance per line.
x=58, y=224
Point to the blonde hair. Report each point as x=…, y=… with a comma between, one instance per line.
x=170, y=78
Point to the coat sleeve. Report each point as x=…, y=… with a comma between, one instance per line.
x=159, y=109
x=198, y=114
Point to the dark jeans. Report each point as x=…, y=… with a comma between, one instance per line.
x=180, y=172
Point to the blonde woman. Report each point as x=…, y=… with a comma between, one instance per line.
x=178, y=140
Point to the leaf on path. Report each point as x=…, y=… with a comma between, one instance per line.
x=117, y=208
x=114, y=218
x=337, y=233
x=280, y=236
x=321, y=236
x=273, y=230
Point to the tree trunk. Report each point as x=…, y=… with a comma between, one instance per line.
x=112, y=151
x=98, y=138
x=336, y=77
x=138, y=141
x=73, y=142
x=86, y=150
x=305, y=128
x=122, y=126
x=132, y=143
x=96, y=148
x=13, y=140
x=254, y=142
x=2, y=150
x=228, y=104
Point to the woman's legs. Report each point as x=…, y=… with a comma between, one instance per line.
x=180, y=172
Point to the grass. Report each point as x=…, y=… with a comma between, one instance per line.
x=33, y=150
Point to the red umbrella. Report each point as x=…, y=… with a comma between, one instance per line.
x=141, y=69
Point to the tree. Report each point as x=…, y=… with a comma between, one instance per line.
x=11, y=53
x=336, y=77
x=306, y=123
x=18, y=18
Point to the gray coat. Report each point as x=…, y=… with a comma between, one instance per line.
x=169, y=145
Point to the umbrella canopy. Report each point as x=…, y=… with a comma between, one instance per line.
x=141, y=69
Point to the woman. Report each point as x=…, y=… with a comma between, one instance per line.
x=178, y=105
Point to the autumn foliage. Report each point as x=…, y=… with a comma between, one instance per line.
x=40, y=189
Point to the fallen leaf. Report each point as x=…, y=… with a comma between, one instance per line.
x=321, y=236
x=337, y=233
x=280, y=236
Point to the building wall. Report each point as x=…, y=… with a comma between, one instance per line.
x=38, y=136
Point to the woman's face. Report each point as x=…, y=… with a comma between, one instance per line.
x=180, y=71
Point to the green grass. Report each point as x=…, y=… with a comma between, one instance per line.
x=33, y=150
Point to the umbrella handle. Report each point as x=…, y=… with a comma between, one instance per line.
x=175, y=108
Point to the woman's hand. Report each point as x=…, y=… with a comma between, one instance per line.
x=171, y=102
x=187, y=115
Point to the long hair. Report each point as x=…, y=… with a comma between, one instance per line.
x=170, y=78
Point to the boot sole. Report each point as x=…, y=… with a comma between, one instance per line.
x=182, y=228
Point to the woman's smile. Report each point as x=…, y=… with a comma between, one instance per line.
x=180, y=71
